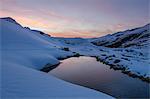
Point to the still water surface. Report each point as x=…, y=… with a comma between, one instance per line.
x=86, y=71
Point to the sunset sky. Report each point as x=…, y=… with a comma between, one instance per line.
x=77, y=18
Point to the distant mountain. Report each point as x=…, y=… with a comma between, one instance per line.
x=134, y=37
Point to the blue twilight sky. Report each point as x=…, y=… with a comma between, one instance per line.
x=78, y=18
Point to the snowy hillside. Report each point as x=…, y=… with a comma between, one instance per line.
x=135, y=37
x=24, y=52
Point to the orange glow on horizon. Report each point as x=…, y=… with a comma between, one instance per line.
x=71, y=35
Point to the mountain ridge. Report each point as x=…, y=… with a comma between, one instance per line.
x=126, y=38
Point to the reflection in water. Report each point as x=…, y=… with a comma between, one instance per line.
x=86, y=71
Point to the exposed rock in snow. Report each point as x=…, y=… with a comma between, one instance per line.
x=134, y=37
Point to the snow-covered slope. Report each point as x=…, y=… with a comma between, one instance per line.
x=23, y=53
x=135, y=37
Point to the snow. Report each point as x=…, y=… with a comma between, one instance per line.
x=23, y=53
